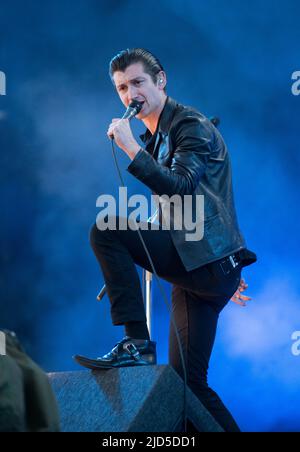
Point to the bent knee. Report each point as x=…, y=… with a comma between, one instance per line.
x=98, y=234
x=95, y=234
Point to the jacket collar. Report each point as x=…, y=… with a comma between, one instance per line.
x=165, y=119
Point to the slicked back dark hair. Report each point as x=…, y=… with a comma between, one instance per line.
x=125, y=58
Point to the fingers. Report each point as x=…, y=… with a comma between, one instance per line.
x=110, y=133
x=243, y=285
x=243, y=297
x=114, y=126
x=237, y=294
x=238, y=298
x=241, y=303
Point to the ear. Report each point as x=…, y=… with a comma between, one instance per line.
x=161, y=80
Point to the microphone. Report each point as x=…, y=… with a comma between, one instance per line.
x=133, y=109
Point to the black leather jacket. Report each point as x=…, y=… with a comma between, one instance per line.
x=191, y=158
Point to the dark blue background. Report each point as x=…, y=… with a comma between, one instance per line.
x=227, y=58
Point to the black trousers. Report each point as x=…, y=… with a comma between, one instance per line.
x=198, y=297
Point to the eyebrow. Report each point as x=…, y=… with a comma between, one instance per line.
x=132, y=80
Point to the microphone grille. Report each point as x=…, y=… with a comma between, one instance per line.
x=136, y=105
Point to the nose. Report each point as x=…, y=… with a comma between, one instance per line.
x=132, y=93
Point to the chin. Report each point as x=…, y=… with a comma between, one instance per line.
x=141, y=115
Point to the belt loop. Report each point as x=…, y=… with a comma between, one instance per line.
x=233, y=261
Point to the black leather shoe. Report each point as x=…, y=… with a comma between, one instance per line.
x=127, y=352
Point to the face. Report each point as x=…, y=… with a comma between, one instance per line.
x=135, y=84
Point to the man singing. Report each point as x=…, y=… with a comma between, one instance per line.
x=182, y=154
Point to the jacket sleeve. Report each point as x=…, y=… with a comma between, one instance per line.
x=192, y=141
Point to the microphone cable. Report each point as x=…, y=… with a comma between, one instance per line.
x=163, y=293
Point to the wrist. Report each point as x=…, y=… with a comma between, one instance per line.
x=133, y=151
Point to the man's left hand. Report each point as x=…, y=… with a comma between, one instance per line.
x=237, y=297
x=121, y=131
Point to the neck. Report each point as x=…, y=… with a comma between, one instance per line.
x=151, y=120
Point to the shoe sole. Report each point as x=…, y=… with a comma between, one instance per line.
x=94, y=364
